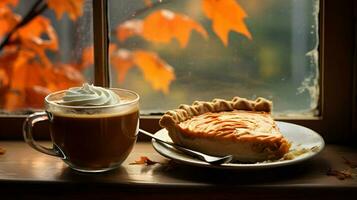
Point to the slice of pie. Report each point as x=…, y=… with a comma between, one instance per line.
x=240, y=127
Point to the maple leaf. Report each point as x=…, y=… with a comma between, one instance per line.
x=226, y=16
x=143, y=161
x=26, y=73
x=129, y=28
x=30, y=37
x=14, y=97
x=122, y=60
x=43, y=81
x=20, y=69
x=9, y=2
x=63, y=76
x=156, y=71
x=38, y=27
x=31, y=81
x=163, y=25
x=8, y=20
x=74, y=8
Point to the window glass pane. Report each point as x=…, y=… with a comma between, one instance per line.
x=178, y=51
x=49, y=52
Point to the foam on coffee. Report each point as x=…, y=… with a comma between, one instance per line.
x=91, y=101
x=89, y=95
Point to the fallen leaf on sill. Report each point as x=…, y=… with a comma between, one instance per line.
x=341, y=175
x=143, y=161
x=352, y=164
x=2, y=151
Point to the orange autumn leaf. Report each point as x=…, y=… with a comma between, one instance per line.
x=27, y=75
x=74, y=8
x=156, y=71
x=24, y=70
x=8, y=20
x=20, y=69
x=42, y=81
x=35, y=89
x=128, y=29
x=31, y=37
x=9, y=2
x=34, y=31
x=143, y=161
x=31, y=81
x=164, y=25
x=226, y=16
x=15, y=96
x=122, y=61
x=63, y=76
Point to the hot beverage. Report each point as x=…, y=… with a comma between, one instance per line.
x=95, y=142
x=93, y=129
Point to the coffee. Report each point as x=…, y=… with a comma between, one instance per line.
x=93, y=129
x=95, y=142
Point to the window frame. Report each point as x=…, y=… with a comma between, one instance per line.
x=337, y=120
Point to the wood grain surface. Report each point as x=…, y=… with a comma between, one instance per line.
x=28, y=174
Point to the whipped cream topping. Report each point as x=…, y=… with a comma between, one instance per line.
x=89, y=95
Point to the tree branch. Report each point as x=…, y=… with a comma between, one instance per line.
x=38, y=7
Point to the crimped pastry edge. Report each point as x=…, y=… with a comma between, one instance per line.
x=185, y=112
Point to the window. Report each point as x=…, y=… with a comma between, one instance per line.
x=315, y=94
x=44, y=53
x=271, y=52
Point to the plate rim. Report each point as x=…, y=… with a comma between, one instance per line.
x=199, y=163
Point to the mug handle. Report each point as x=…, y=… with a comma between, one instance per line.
x=29, y=123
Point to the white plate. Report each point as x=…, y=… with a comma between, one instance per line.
x=299, y=136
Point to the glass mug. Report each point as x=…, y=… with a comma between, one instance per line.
x=88, y=138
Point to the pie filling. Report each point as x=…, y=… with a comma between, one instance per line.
x=234, y=124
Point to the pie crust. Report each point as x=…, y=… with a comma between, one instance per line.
x=240, y=127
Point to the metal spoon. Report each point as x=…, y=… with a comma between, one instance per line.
x=207, y=158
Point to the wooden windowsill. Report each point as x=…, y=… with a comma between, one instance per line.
x=25, y=172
